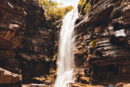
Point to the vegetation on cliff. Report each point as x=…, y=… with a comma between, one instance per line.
x=85, y=5
x=53, y=11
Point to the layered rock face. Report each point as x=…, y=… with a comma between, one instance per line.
x=11, y=31
x=27, y=39
x=12, y=26
x=28, y=42
x=7, y=77
x=37, y=46
x=103, y=43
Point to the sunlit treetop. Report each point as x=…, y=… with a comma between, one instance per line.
x=53, y=11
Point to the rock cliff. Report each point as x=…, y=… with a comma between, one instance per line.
x=102, y=43
x=29, y=43
x=12, y=27
x=27, y=39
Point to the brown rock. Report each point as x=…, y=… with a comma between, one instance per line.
x=7, y=77
x=12, y=26
x=5, y=44
x=85, y=79
x=111, y=53
x=98, y=29
x=79, y=52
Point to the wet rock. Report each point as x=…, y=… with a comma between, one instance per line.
x=84, y=85
x=34, y=85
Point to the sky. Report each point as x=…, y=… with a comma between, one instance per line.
x=68, y=2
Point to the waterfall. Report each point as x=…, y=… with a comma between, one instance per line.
x=65, y=61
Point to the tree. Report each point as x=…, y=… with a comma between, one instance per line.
x=53, y=11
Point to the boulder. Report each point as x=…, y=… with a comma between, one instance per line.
x=7, y=77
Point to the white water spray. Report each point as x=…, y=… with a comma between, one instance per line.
x=65, y=60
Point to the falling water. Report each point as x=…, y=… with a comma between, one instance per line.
x=65, y=60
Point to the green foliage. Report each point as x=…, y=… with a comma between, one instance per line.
x=92, y=44
x=82, y=3
x=87, y=7
x=53, y=11
x=84, y=6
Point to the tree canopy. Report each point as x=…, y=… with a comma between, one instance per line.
x=53, y=11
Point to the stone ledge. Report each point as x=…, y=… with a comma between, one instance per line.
x=7, y=77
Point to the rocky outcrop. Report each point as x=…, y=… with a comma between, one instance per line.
x=37, y=47
x=12, y=26
x=102, y=42
x=7, y=77
x=27, y=39
x=11, y=31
